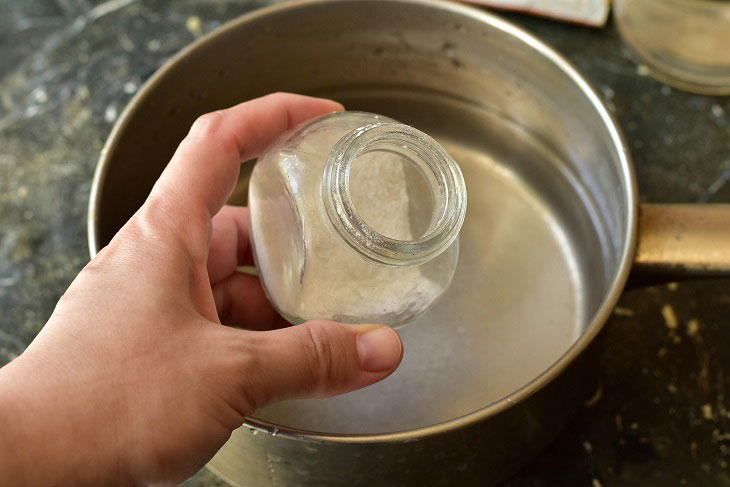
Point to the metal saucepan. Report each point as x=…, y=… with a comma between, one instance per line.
x=497, y=367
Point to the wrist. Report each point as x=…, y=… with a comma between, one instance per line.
x=47, y=438
x=16, y=448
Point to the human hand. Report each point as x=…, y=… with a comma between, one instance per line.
x=133, y=380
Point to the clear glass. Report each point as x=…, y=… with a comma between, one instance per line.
x=684, y=43
x=355, y=218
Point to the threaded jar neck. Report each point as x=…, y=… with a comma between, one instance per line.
x=440, y=172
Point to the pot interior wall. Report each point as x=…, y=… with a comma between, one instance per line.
x=547, y=205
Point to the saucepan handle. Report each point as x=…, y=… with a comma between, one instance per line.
x=681, y=241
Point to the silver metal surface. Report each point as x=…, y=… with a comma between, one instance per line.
x=517, y=257
x=492, y=374
x=494, y=371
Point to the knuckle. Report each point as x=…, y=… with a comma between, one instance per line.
x=66, y=301
x=99, y=263
x=276, y=95
x=206, y=124
x=159, y=231
x=158, y=219
x=147, y=235
x=210, y=128
x=99, y=267
x=249, y=393
x=85, y=288
x=230, y=363
x=322, y=353
x=144, y=226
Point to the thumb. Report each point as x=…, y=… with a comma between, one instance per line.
x=318, y=359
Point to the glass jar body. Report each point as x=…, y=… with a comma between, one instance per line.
x=309, y=268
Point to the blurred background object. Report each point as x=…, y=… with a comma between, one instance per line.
x=684, y=43
x=588, y=12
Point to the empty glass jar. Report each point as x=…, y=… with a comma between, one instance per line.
x=355, y=218
x=684, y=43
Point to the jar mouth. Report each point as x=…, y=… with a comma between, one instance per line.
x=439, y=170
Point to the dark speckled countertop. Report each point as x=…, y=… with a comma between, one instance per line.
x=68, y=67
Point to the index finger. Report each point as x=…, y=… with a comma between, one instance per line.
x=203, y=171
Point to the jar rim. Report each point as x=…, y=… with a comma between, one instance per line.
x=446, y=181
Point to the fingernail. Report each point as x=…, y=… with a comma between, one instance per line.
x=379, y=349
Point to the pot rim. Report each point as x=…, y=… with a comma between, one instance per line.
x=629, y=187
